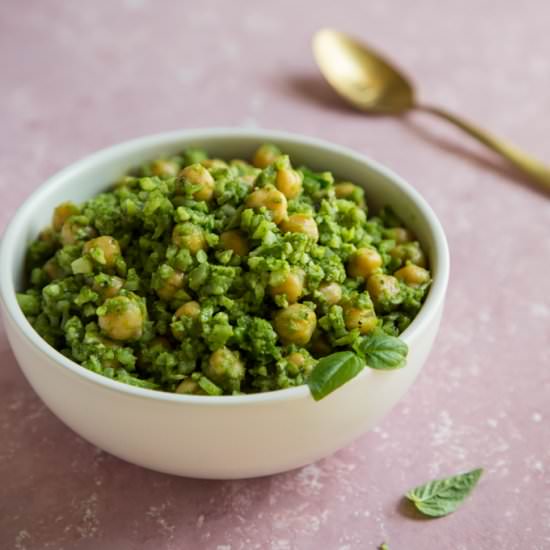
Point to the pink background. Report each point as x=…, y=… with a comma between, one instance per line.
x=79, y=76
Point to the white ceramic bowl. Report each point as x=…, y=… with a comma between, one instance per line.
x=216, y=437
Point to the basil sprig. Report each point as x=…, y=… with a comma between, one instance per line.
x=442, y=496
x=377, y=350
x=332, y=371
x=382, y=351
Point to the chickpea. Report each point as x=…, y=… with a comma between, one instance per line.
x=189, y=309
x=265, y=155
x=73, y=231
x=301, y=223
x=413, y=275
x=214, y=164
x=234, y=240
x=53, y=269
x=295, y=324
x=344, y=189
x=300, y=362
x=68, y=233
x=62, y=213
x=331, y=292
x=349, y=191
x=111, y=289
x=292, y=286
x=409, y=252
x=297, y=359
x=272, y=199
x=364, y=262
x=197, y=174
x=170, y=286
x=225, y=369
x=289, y=182
x=107, y=245
x=400, y=235
x=382, y=288
x=164, y=168
x=358, y=318
x=190, y=387
x=123, y=318
x=190, y=236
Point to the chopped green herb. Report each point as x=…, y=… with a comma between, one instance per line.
x=205, y=276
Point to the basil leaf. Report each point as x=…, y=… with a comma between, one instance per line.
x=384, y=546
x=332, y=371
x=382, y=351
x=443, y=496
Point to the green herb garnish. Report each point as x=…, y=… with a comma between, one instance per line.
x=332, y=371
x=382, y=351
x=443, y=496
x=377, y=350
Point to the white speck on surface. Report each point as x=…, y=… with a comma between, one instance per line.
x=89, y=524
x=223, y=547
x=260, y=24
x=484, y=316
x=200, y=521
x=257, y=103
x=189, y=75
x=230, y=50
x=535, y=464
x=541, y=311
x=537, y=417
x=249, y=122
x=281, y=544
x=157, y=513
x=473, y=369
x=538, y=66
x=442, y=429
x=20, y=539
x=135, y=4
x=492, y=422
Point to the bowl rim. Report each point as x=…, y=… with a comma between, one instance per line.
x=19, y=220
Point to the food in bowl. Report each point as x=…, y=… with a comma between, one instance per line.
x=217, y=437
x=204, y=276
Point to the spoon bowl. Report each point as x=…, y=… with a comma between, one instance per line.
x=360, y=75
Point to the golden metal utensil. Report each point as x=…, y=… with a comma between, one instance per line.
x=370, y=83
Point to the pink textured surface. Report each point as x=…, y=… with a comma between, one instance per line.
x=78, y=76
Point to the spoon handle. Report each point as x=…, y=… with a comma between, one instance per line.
x=535, y=169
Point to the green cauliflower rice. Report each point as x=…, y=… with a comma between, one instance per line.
x=202, y=276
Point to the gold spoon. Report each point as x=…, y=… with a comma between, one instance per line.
x=370, y=83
